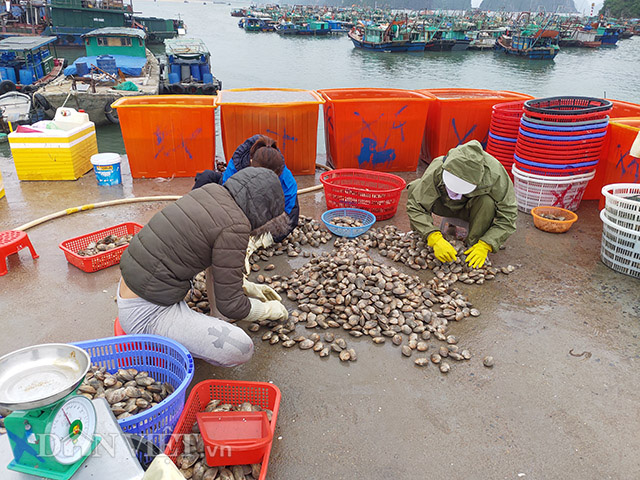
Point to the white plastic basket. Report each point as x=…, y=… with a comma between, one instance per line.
x=537, y=190
x=620, y=247
x=619, y=208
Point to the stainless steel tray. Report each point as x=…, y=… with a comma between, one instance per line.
x=37, y=376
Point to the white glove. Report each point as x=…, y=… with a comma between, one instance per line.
x=270, y=310
x=264, y=293
x=263, y=241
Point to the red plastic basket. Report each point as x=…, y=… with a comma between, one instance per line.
x=103, y=259
x=375, y=192
x=234, y=438
x=235, y=392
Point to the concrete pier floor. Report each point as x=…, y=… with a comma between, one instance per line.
x=540, y=413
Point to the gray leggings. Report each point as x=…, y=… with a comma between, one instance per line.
x=211, y=339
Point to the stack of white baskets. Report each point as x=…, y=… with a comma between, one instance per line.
x=621, y=228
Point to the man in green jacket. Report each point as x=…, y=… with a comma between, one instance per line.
x=469, y=184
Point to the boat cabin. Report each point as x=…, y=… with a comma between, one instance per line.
x=26, y=60
x=116, y=41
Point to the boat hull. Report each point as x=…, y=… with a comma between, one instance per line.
x=389, y=46
x=460, y=45
x=440, y=45
x=532, y=54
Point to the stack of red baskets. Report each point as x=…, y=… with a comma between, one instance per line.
x=561, y=136
x=503, y=132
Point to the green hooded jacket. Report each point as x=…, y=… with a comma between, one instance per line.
x=471, y=163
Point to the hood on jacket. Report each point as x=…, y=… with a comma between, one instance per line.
x=467, y=162
x=258, y=192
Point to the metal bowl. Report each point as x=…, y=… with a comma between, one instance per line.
x=40, y=375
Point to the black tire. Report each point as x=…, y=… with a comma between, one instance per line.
x=209, y=90
x=110, y=113
x=7, y=86
x=176, y=88
x=192, y=89
x=27, y=89
x=162, y=89
x=40, y=101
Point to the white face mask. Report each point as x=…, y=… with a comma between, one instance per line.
x=453, y=195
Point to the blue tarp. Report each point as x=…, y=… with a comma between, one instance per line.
x=131, y=66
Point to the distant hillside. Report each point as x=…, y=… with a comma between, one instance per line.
x=560, y=6
x=396, y=4
x=621, y=8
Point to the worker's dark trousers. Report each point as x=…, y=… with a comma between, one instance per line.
x=478, y=211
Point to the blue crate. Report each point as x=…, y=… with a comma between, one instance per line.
x=367, y=218
x=165, y=360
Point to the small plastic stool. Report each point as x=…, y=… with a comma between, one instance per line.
x=117, y=329
x=12, y=241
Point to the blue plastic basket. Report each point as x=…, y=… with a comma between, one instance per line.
x=367, y=218
x=165, y=360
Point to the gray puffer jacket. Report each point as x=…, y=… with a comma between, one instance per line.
x=209, y=226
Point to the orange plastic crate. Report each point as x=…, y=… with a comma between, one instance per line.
x=289, y=116
x=168, y=135
x=460, y=115
x=374, y=128
x=104, y=259
x=616, y=165
x=235, y=392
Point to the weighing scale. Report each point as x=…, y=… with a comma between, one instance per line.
x=52, y=429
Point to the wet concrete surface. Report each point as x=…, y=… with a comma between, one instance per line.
x=540, y=413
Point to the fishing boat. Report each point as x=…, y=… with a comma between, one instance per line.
x=239, y=12
x=303, y=27
x=396, y=36
x=71, y=19
x=27, y=63
x=437, y=40
x=117, y=63
x=256, y=24
x=484, y=39
x=541, y=44
x=16, y=108
x=186, y=68
x=608, y=35
x=338, y=26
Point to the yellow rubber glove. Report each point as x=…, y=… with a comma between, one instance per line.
x=477, y=255
x=264, y=293
x=442, y=249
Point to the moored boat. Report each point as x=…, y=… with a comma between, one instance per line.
x=27, y=63
x=186, y=68
x=397, y=36
x=541, y=44
x=484, y=39
x=117, y=63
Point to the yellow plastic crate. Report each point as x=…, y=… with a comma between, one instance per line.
x=54, y=155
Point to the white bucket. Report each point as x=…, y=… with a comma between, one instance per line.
x=107, y=168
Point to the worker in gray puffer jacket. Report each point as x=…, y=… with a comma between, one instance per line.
x=209, y=226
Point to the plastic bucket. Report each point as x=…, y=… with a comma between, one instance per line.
x=174, y=78
x=107, y=168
